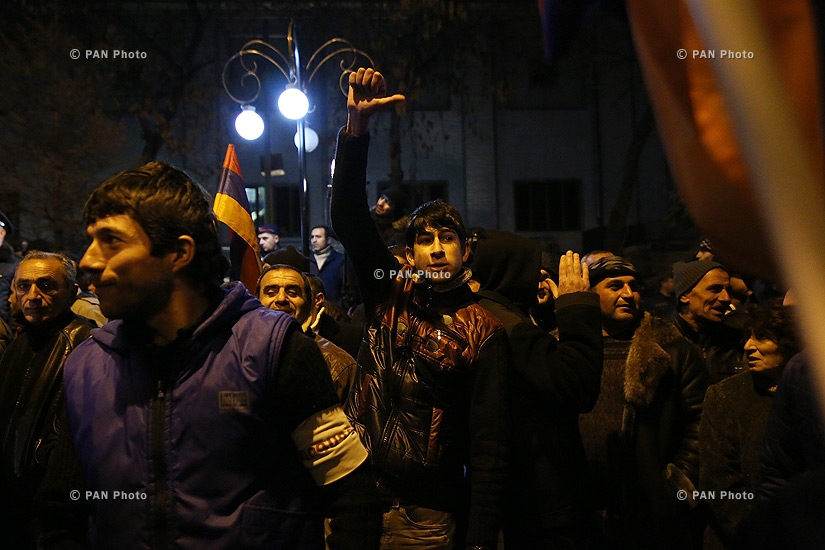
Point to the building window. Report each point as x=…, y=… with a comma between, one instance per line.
x=548, y=205
x=281, y=205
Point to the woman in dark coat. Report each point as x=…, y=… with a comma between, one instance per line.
x=733, y=424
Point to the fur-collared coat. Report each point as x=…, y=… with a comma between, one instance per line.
x=655, y=454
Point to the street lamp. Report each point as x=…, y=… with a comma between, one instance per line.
x=293, y=102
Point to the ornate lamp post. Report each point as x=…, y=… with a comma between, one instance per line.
x=293, y=102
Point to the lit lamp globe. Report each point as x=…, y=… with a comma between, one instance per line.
x=293, y=104
x=310, y=140
x=249, y=124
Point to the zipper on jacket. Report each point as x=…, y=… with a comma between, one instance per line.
x=157, y=423
x=399, y=371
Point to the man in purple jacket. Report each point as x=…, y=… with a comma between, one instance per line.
x=200, y=418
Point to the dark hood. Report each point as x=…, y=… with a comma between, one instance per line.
x=509, y=265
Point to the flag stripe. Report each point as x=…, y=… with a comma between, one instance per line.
x=232, y=208
x=236, y=217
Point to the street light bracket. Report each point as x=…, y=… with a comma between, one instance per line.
x=349, y=53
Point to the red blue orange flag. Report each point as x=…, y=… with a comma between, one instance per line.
x=232, y=208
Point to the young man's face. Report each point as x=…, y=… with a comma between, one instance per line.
x=383, y=206
x=438, y=253
x=282, y=289
x=709, y=300
x=318, y=239
x=41, y=290
x=620, y=301
x=267, y=242
x=128, y=280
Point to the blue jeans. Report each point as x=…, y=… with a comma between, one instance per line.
x=410, y=526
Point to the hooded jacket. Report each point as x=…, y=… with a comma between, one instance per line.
x=551, y=382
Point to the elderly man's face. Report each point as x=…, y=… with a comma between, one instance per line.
x=41, y=290
x=709, y=300
x=282, y=289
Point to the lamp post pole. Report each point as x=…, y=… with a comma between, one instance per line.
x=302, y=148
x=290, y=66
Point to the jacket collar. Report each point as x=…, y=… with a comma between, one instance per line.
x=647, y=360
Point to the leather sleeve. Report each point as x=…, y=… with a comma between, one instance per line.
x=694, y=381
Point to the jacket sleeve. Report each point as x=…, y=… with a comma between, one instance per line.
x=353, y=224
x=346, y=480
x=720, y=464
x=568, y=371
x=488, y=442
x=693, y=381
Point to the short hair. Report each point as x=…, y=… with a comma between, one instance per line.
x=328, y=232
x=774, y=322
x=307, y=288
x=436, y=214
x=67, y=265
x=166, y=203
x=316, y=285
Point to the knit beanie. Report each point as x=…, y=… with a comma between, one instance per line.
x=687, y=274
x=611, y=266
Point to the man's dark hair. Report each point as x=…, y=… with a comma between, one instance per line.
x=167, y=204
x=328, y=232
x=316, y=285
x=68, y=267
x=436, y=214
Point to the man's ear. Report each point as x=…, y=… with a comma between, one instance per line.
x=184, y=252
x=467, y=250
x=319, y=299
x=410, y=255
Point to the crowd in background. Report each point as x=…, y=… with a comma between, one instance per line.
x=445, y=388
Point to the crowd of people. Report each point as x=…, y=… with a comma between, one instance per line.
x=481, y=395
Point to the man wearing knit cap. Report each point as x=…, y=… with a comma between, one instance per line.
x=702, y=289
x=8, y=265
x=642, y=437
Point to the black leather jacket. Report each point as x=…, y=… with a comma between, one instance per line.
x=38, y=468
x=31, y=392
